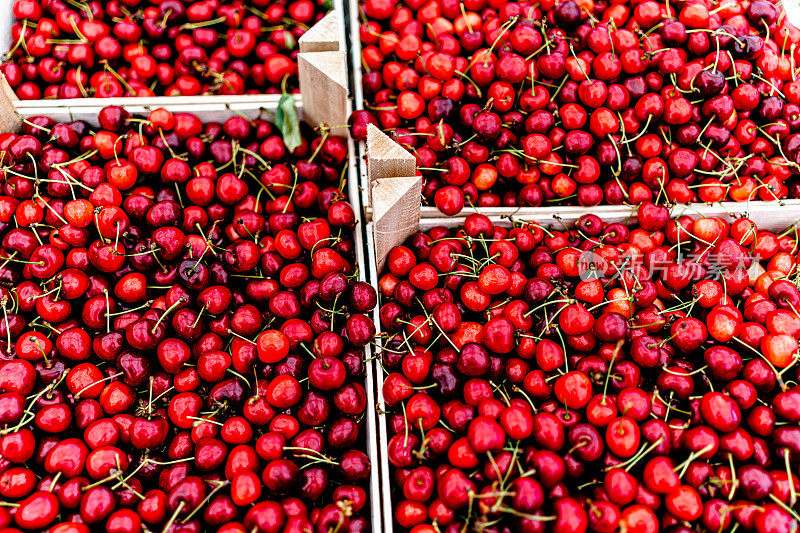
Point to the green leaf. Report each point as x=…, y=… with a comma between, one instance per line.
x=289, y=40
x=287, y=122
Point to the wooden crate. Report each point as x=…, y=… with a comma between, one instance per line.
x=11, y=119
x=766, y=215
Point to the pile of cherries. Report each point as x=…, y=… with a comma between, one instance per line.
x=601, y=378
x=89, y=48
x=182, y=338
x=585, y=102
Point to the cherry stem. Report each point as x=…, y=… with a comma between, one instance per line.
x=775, y=370
x=54, y=481
x=198, y=420
x=735, y=482
x=219, y=486
x=791, y=478
x=108, y=308
x=150, y=398
x=10, y=259
x=306, y=349
x=784, y=506
x=123, y=483
x=78, y=394
x=520, y=514
x=113, y=475
x=525, y=395
x=638, y=456
x=196, y=320
x=167, y=463
x=143, y=306
x=564, y=301
x=620, y=344
x=20, y=41
x=164, y=315
x=694, y=455
x=174, y=516
x=316, y=461
x=700, y=370
x=307, y=450
x=238, y=375
x=405, y=426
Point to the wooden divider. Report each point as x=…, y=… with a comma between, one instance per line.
x=322, y=69
x=395, y=212
x=386, y=158
x=324, y=36
x=323, y=84
x=9, y=118
x=395, y=191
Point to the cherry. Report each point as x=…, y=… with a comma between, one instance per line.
x=37, y=511
x=685, y=503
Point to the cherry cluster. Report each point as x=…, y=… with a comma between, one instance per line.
x=183, y=332
x=585, y=102
x=601, y=378
x=66, y=49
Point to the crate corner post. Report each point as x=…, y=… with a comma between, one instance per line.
x=386, y=158
x=396, y=212
x=10, y=120
x=323, y=86
x=324, y=36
